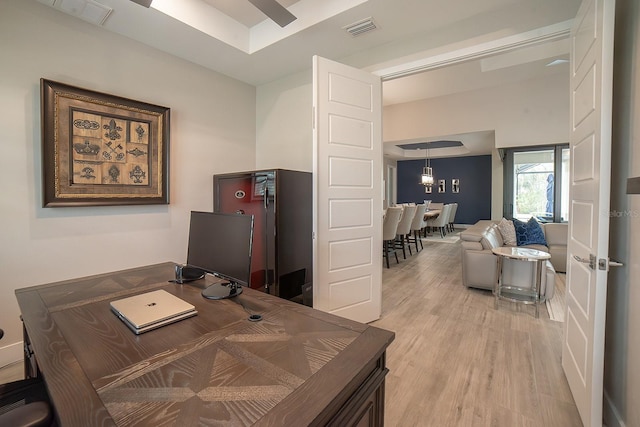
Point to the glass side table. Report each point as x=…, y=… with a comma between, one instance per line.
x=514, y=293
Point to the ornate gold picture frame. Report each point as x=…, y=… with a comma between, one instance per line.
x=100, y=149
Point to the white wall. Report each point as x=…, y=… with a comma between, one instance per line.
x=212, y=131
x=532, y=112
x=284, y=137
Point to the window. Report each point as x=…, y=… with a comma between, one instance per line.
x=536, y=183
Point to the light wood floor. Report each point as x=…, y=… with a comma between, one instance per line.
x=456, y=361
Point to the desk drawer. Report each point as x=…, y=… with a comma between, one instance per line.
x=365, y=407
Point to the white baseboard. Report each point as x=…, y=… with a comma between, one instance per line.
x=11, y=353
x=610, y=415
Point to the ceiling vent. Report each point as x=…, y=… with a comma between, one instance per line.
x=360, y=27
x=88, y=10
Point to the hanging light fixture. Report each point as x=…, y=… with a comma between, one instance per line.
x=427, y=172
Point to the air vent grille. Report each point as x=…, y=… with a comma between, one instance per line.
x=360, y=27
x=88, y=10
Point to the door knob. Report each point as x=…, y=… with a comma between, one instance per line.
x=605, y=263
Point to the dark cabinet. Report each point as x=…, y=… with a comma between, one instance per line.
x=281, y=202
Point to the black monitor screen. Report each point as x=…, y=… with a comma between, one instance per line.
x=220, y=243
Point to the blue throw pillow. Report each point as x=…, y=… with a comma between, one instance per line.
x=529, y=233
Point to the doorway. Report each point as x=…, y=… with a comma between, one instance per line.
x=461, y=103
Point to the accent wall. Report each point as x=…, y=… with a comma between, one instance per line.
x=473, y=174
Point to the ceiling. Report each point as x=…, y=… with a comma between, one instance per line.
x=234, y=38
x=243, y=11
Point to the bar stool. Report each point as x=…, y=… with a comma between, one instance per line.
x=389, y=229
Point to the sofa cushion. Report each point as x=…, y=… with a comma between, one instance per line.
x=508, y=232
x=491, y=238
x=529, y=233
x=556, y=233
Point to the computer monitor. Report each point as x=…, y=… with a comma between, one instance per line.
x=220, y=244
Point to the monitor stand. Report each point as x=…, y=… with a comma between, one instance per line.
x=222, y=290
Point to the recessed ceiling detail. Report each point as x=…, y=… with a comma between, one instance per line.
x=234, y=38
x=431, y=144
x=231, y=29
x=145, y=3
x=245, y=12
x=275, y=11
x=477, y=143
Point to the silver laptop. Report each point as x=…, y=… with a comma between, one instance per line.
x=151, y=310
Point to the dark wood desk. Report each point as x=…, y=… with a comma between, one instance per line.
x=298, y=366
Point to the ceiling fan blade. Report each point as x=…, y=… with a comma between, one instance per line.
x=274, y=10
x=145, y=3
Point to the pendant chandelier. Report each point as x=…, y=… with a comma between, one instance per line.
x=427, y=172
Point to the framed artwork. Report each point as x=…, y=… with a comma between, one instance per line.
x=427, y=189
x=455, y=185
x=100, y=149
x=442, y=186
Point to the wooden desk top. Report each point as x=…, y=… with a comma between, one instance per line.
x=214, y=368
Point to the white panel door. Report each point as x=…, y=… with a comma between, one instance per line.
x=347, y=175
x=591, y=99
